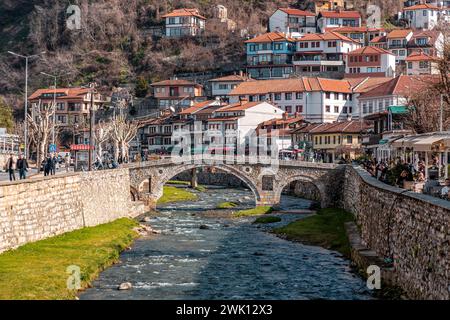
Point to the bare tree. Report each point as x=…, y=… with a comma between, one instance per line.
x=102, y=134
x=123, y=132
x=40, y=126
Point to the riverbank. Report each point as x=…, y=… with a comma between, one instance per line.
x=38, y=270
x=325, y=229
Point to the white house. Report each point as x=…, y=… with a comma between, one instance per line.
x=338, y=18
x=422, y=16
x=370, y=61
x=290, y=20
x=316, y=99
x=184, y=22
x=397, y=41
x=233, y=124
x=419, y=63
x=323, y=52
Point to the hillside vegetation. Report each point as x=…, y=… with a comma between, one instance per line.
x=115, y=45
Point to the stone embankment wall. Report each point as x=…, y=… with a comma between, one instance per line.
x=218, y=177
x=409, y=228
x=43, y=207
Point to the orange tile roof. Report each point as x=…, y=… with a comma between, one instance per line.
x=280, y=121
x=69, y=93
x=399, y=33
x=291, y=85
x=297, y=12
x=175, y=83
x=268, y=86
x=184, y=13
x=421, y=7
x=270, y=37
x=370, y=50
x=419, y=56
x=340, y=14
x=331, y=35
x=352, y=126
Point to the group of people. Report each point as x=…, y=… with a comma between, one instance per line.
x=12, y=165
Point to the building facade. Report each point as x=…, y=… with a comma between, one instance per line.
x=183, y=23
x=177, y=93
x=290, y=20
x=370, y=61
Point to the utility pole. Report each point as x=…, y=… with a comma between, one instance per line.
x=26, y=97
x=91, y=126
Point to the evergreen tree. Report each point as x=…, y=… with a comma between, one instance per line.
x=141, y=87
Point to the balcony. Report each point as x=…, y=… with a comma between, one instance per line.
x=301, y=25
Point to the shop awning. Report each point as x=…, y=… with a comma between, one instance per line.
x=398, y=109
x=426, y=143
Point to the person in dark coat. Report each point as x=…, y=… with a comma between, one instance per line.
x=10, y=167
x=22, y=166
x=48, y=166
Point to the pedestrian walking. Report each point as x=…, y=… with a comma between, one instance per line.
x=10, y=167
x=22, y=166
x=53, y=165
x=47, y=165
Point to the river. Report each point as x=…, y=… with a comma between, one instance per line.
x=231, y=259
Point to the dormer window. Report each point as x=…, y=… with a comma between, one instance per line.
x=421, y=41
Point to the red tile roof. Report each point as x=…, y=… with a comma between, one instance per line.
x=400, y=86
x=361, y=29
x=297, y=12
x=370, y=50
x=352, y=126
x=419, y=56
x=239, y=106
x=184, y=13
x=340, y=14
x=360, y=85
x=270, y=37
x=69, y=93
x=379, y=39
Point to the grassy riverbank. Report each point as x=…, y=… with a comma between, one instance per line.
x=253, y=212
x=38, y=270
x=325, y=229
x=226, y=205
x=174, y=194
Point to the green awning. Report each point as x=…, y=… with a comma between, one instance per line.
x=383, y=141
x=398, y=109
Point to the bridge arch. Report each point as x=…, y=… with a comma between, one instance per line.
x=317, y=184
x=159, y=177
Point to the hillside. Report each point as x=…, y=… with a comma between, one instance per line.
x=115, y=45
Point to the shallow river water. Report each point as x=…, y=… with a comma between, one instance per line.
x=232, y=259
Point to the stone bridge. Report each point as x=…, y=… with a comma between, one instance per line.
x=265, y=179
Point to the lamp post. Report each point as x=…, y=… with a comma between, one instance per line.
x=26, y=95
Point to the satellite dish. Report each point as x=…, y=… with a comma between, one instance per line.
x=172, y=109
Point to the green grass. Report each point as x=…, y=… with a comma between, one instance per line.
x=270, y=219
x=178, y=182
x=200, y=188
x=253, y=212
x=174, y=194
x=226, y=205
x=325, y=229
x=38, y=270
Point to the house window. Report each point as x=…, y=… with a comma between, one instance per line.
x=277, y=96
x=315, y=140
x=299, y=109
x=327, y=108
x=336, y=109
x=288, y=109
x=344, y=110
x=349, y=139
x=423, y=64
x=288, y=96
x=327, y=95
x=299, y=95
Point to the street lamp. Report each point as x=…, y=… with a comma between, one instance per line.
x=54, y=100
x=26, y=95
